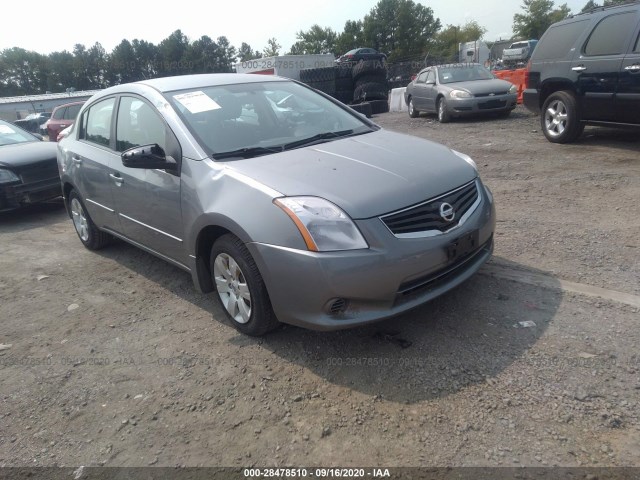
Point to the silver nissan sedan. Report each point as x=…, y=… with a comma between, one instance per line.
x=288, y=204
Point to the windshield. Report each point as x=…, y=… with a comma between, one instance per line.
x=260, y=118
x=519, y=45
x=463, y=73
x=10, y=134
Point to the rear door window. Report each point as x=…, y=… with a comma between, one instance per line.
x=611, y=35
x=72, y=112
x=59, y=113
x=559, y=40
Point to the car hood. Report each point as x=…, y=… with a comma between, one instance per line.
x=18, y=155
x=365, y=175
x=481, y=87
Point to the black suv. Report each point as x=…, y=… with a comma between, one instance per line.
x=586, y=70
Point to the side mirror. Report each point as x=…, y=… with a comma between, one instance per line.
x=148, y=156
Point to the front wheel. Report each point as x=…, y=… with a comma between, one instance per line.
x=560, y=119
x=91, y=236
x=240, y=289
x=443, y=111
x=413, y=113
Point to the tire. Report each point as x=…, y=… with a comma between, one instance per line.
x=363, y=108
x=560, y=118
x=344, y=96
x=373, y=67
x=370, y=91
x=91, y=236
x=240, y=290
x=372, y=78
x=379, y=106
x=443, y=113
x=344, y=83
x=413, y=113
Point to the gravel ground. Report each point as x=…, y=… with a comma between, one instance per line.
x=112, y=358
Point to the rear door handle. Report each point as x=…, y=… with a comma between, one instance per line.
x=579, y=68
x=116, y=178
x=633, y=68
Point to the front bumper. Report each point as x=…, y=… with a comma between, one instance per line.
x=459, y=107
x=16, y=195
x=391, y=277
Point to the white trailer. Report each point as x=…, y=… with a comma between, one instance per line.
x=474, y=52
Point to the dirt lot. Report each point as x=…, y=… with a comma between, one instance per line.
x=115, y=360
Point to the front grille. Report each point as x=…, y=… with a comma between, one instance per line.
x=39, y=173
x=479, y=95
x=426, y=216
x=492, y=104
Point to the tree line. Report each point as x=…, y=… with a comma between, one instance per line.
x=402, y=29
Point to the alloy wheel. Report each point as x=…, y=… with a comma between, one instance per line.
x=232, y=288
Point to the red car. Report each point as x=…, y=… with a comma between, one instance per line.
x=62, y=117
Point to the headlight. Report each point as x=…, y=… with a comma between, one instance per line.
x=323, y=226
x=7, y=176
x=513, y=89
x=459, y=94
x=466, y=158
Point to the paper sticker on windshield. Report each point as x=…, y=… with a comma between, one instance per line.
x=197, y=102
x=6, y=129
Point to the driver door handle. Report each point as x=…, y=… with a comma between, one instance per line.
x=633, y=68
x=116, y=178
x=579, y=68
x=76, y=159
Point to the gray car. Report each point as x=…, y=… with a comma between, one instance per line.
x=289, y=205
x=459, y=90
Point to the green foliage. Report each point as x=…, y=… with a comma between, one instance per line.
x=245, y=52
x=272, y=49
x=350, y=38
x=447, y=41
x=537, y=17
x=400, y=28
x=315, y=40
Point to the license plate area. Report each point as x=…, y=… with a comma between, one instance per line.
x=463, y=246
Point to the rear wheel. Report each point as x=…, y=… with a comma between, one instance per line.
x=240, y=289
x=90, y=235
x=560, y=119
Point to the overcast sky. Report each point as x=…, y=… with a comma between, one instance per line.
x=59, y=26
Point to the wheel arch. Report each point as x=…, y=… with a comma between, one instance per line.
x=552, y=86
x=211, y=229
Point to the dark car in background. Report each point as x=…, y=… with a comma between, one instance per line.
x=459, y=90
x=33, y=121
x=62, y=117
x=362, y=54
x=28, y=168
x=586, y=71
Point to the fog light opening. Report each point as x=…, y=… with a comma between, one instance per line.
x=337, y=306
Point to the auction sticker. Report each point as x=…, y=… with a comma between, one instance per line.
x=197, y=102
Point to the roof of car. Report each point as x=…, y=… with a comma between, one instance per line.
x=167, y=84
x=82, y=102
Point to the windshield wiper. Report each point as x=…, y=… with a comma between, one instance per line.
x=247, y=152
x=317, y=138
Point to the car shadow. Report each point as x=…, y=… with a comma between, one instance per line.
x=465, y=337
x=625, y=139
x=33, y=216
